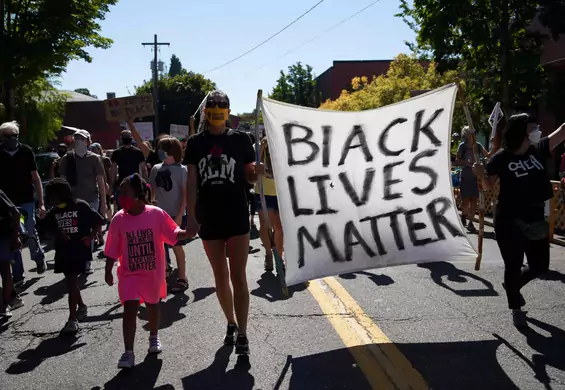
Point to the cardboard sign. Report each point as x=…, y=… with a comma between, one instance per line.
x=364, y=190
x=145, y=130
x=137, y=106
x=179, y=131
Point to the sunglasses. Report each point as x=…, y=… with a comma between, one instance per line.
x=214, y=104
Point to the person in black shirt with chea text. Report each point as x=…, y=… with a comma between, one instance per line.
x=520, y=224
x=220, y=164
x=74, y=224
x=126, y=161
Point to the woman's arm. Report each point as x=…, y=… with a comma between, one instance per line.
x=137, y=138
x=557, y=137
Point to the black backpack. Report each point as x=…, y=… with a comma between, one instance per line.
x=71, y=174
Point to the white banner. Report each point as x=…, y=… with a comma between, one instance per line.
x=363, y=190
x=145, y=130
x=179, y=131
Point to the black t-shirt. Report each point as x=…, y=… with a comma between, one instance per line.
x=128, y=160
x=220, y=162
x=153, y=158
x=76, y=220
x=15, y=174
x=524, y=183
x=7, y=211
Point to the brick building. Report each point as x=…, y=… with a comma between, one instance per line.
x=337, y=78
x=88, y=113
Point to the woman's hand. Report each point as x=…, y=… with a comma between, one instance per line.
x=479, y=169
x=178, y=220
x=259, y=169
x=192, y=226
x=109, y=278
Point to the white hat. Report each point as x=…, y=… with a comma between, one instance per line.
x=82, y=133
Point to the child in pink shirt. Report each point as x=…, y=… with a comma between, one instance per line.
x=135, y=239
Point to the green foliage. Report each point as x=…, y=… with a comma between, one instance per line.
x=404, y=76
x=85, y=91
x=41, y=37
x=498, y=42
x=39, y=110
x=297, y=86
x=175, y=68
x=179, y=97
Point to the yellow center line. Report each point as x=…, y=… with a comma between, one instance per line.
x=384, y=366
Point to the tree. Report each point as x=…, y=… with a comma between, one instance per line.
x=496, y=41
x=175, y=68
x=85, y=91
x=39, y=108
x=179, y=97
x=404, y=76
x=298, y=86
x=39, y=38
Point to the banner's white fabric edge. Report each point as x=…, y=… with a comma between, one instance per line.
x=432, y=92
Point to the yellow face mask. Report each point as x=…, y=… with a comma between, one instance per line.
x=217, y=116
x=62, y=205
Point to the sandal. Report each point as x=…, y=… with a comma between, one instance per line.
x=182, y=285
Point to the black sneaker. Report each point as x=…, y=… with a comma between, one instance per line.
x=231, y=334
x=519, y=319
x=242, y=345
x=42, y=267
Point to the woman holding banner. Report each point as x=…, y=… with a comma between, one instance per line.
x=272, y=208
x=469, y=188
x=221, y=163
x=520, y=223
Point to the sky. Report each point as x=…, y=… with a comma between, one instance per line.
x=207, y=34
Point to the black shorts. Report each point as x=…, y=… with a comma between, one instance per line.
x=70, y=267
x=224, y=229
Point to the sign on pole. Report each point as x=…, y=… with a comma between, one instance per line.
x=137, y=106
x=145, y=130
x=179, y=131
x=363, y=190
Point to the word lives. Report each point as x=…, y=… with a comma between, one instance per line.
x=425, y=225
x=67, y=222
x=141, y=250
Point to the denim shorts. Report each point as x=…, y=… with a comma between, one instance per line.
x=6, y=253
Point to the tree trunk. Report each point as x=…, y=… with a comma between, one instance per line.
x=8, y=100
x=505, y=58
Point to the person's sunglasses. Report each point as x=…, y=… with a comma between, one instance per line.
x=213, y=104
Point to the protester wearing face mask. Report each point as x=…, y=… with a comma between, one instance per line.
x=520, y=224
x=168, y=183
x=221, y=163
x=126, y=161
x=84, y=171
x=20, y=181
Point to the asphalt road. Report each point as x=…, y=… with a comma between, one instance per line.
x=449, y=321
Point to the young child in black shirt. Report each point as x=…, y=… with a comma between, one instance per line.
x=74, y=224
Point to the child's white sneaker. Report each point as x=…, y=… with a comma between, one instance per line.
x=155, y=344
x=127, y=360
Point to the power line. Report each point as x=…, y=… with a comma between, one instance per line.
x=326, y=31
x=268, y=39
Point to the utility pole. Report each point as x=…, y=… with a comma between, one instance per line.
x=155, y=45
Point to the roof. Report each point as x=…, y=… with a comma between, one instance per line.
x=77, y=97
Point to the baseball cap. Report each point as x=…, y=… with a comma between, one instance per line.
x=82, y=133
x=96, y=145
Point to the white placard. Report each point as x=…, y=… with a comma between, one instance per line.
x=179, y=131
x=145, y=130
x=363, y=190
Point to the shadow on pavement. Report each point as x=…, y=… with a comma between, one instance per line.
x=379, y=280
x=49, y=348
x=216, y=376
x=270, y=288
x=443, y=269
x=142, y=376
x=107, y=315
x=202, y=293
x=170, y=311
x=553, y=276
x=58, y=290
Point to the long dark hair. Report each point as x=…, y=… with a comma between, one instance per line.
x=58, y=190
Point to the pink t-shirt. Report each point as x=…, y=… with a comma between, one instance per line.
x=137, y=243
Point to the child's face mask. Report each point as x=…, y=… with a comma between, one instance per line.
x=126, y=202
